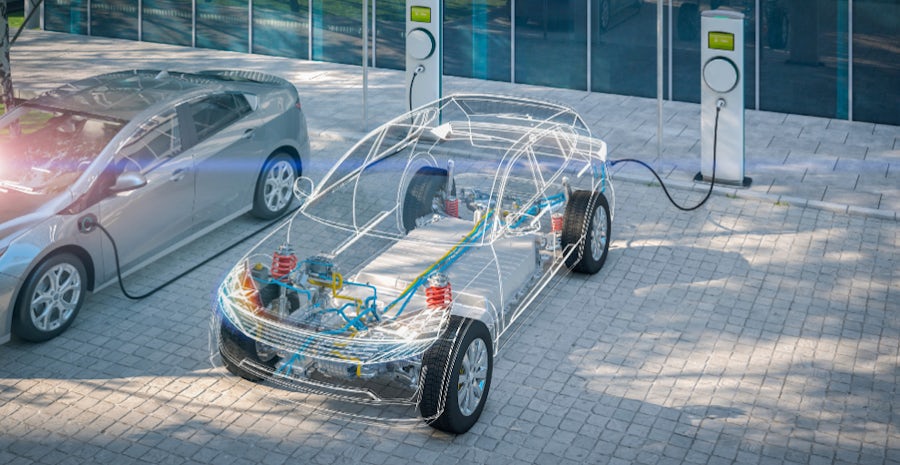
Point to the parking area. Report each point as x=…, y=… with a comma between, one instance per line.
x=762, y=328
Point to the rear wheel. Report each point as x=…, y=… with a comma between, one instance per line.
x=424, y=186
x=51, y=298
x=274, y=188
x=457, y=376
x=586, y=224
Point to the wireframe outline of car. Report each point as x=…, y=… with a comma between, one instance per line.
x=419, y=248
x=158, y=158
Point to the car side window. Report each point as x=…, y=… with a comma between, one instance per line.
x=156, y=140
x=212, y=114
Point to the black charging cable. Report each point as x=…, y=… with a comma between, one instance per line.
x=89, y=222
x=719, y=104
x=419, y=70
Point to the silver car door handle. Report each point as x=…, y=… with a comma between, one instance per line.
x=178, y=175
x=248, y=134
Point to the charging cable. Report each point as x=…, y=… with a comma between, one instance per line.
x=712, y=182
x=419, y=70
x=88, y=223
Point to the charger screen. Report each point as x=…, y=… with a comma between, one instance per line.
x=721, y=40
x=420, y=14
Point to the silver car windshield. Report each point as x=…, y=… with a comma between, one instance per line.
x=43, y=151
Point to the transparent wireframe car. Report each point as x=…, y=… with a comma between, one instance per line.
x=396, y=278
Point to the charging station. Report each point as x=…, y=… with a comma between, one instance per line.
x=424, y=51
x=722, y=97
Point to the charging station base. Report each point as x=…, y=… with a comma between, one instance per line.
x=745, y=183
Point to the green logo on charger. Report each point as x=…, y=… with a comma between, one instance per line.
x=420, y=14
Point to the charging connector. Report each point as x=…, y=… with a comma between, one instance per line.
x=412, y=81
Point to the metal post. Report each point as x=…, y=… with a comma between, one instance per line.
x=671, y=36
x=5, y=67
x=140, y=19
x=589, y=46
x=850, y=60
x=365, y=63
x=250, y=27
x=659, y=77
x=756, y=54
x=512, y=42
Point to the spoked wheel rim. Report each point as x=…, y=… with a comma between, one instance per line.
x=598, y=233
x=55, y=297
x=472, y=377
x=278, y=185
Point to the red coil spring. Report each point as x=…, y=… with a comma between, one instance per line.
x=451, y=206
x=556, y=221
x=282, y=265
x=438, y=296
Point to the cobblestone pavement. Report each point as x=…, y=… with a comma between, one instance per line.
x=753, y=330
x=746, y=332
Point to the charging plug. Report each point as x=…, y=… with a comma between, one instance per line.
x=720, y=103
x=87, y=223
x=419, y=69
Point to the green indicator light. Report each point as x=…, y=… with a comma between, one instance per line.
x=721, y=40
x=420, y=14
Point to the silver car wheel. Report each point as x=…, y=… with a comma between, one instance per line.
x=598, y=233
x=55, y=297
x=278, y=185
x=472, y=377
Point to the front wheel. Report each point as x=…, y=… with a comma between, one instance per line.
x=51, y=298
x=274, y=188
x=586, y=225
x=457, y=376
x=425, y=185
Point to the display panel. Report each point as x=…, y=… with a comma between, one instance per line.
x=420, y=14
x=721, y=40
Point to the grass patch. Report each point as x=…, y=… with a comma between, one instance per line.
x=15, y=22
x=781, y=203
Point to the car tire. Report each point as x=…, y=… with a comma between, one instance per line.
x=275, y=186
x=51, y=298
x=586, y=224
x=424, y=186
x=241, y=356
x=457, y=376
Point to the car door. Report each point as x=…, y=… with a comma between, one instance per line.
x=227, y=156
x=146, y=220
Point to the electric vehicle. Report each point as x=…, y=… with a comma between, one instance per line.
x=395, y=279
x=157, y=158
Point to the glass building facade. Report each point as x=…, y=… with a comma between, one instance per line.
x=830, y=58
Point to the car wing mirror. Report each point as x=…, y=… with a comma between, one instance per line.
x=304, y=188
x=128, y=181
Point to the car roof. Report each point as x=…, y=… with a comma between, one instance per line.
x=122, y=95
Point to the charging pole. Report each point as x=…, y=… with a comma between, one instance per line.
x=722, y=96
x=424, y=51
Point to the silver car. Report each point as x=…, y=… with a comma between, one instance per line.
x=157, y=158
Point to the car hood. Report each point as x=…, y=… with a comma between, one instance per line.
x=19, y=211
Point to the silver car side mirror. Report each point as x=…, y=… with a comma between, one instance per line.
x=128, y=181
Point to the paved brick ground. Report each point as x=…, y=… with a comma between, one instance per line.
x=746, y=332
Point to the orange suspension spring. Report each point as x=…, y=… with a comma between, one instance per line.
x=438, y=294
x=451, y=206
x=283, y=262
x=556, y=221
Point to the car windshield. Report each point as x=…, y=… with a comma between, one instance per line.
x=42, y=151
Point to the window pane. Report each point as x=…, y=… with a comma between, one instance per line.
x=804, y=70
x=477, y=39
x=281, y=28
x=623, y=46
x=876, y=61
x=222, y=24
x=337, y=31
x=167, y=22
x=390, y=24
x=111, y=18
x=686, y=48
x=154, y=141
x=551, y=43
x=66, y=16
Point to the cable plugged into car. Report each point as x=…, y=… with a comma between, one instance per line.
x=720, y=103
x=87, y=223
